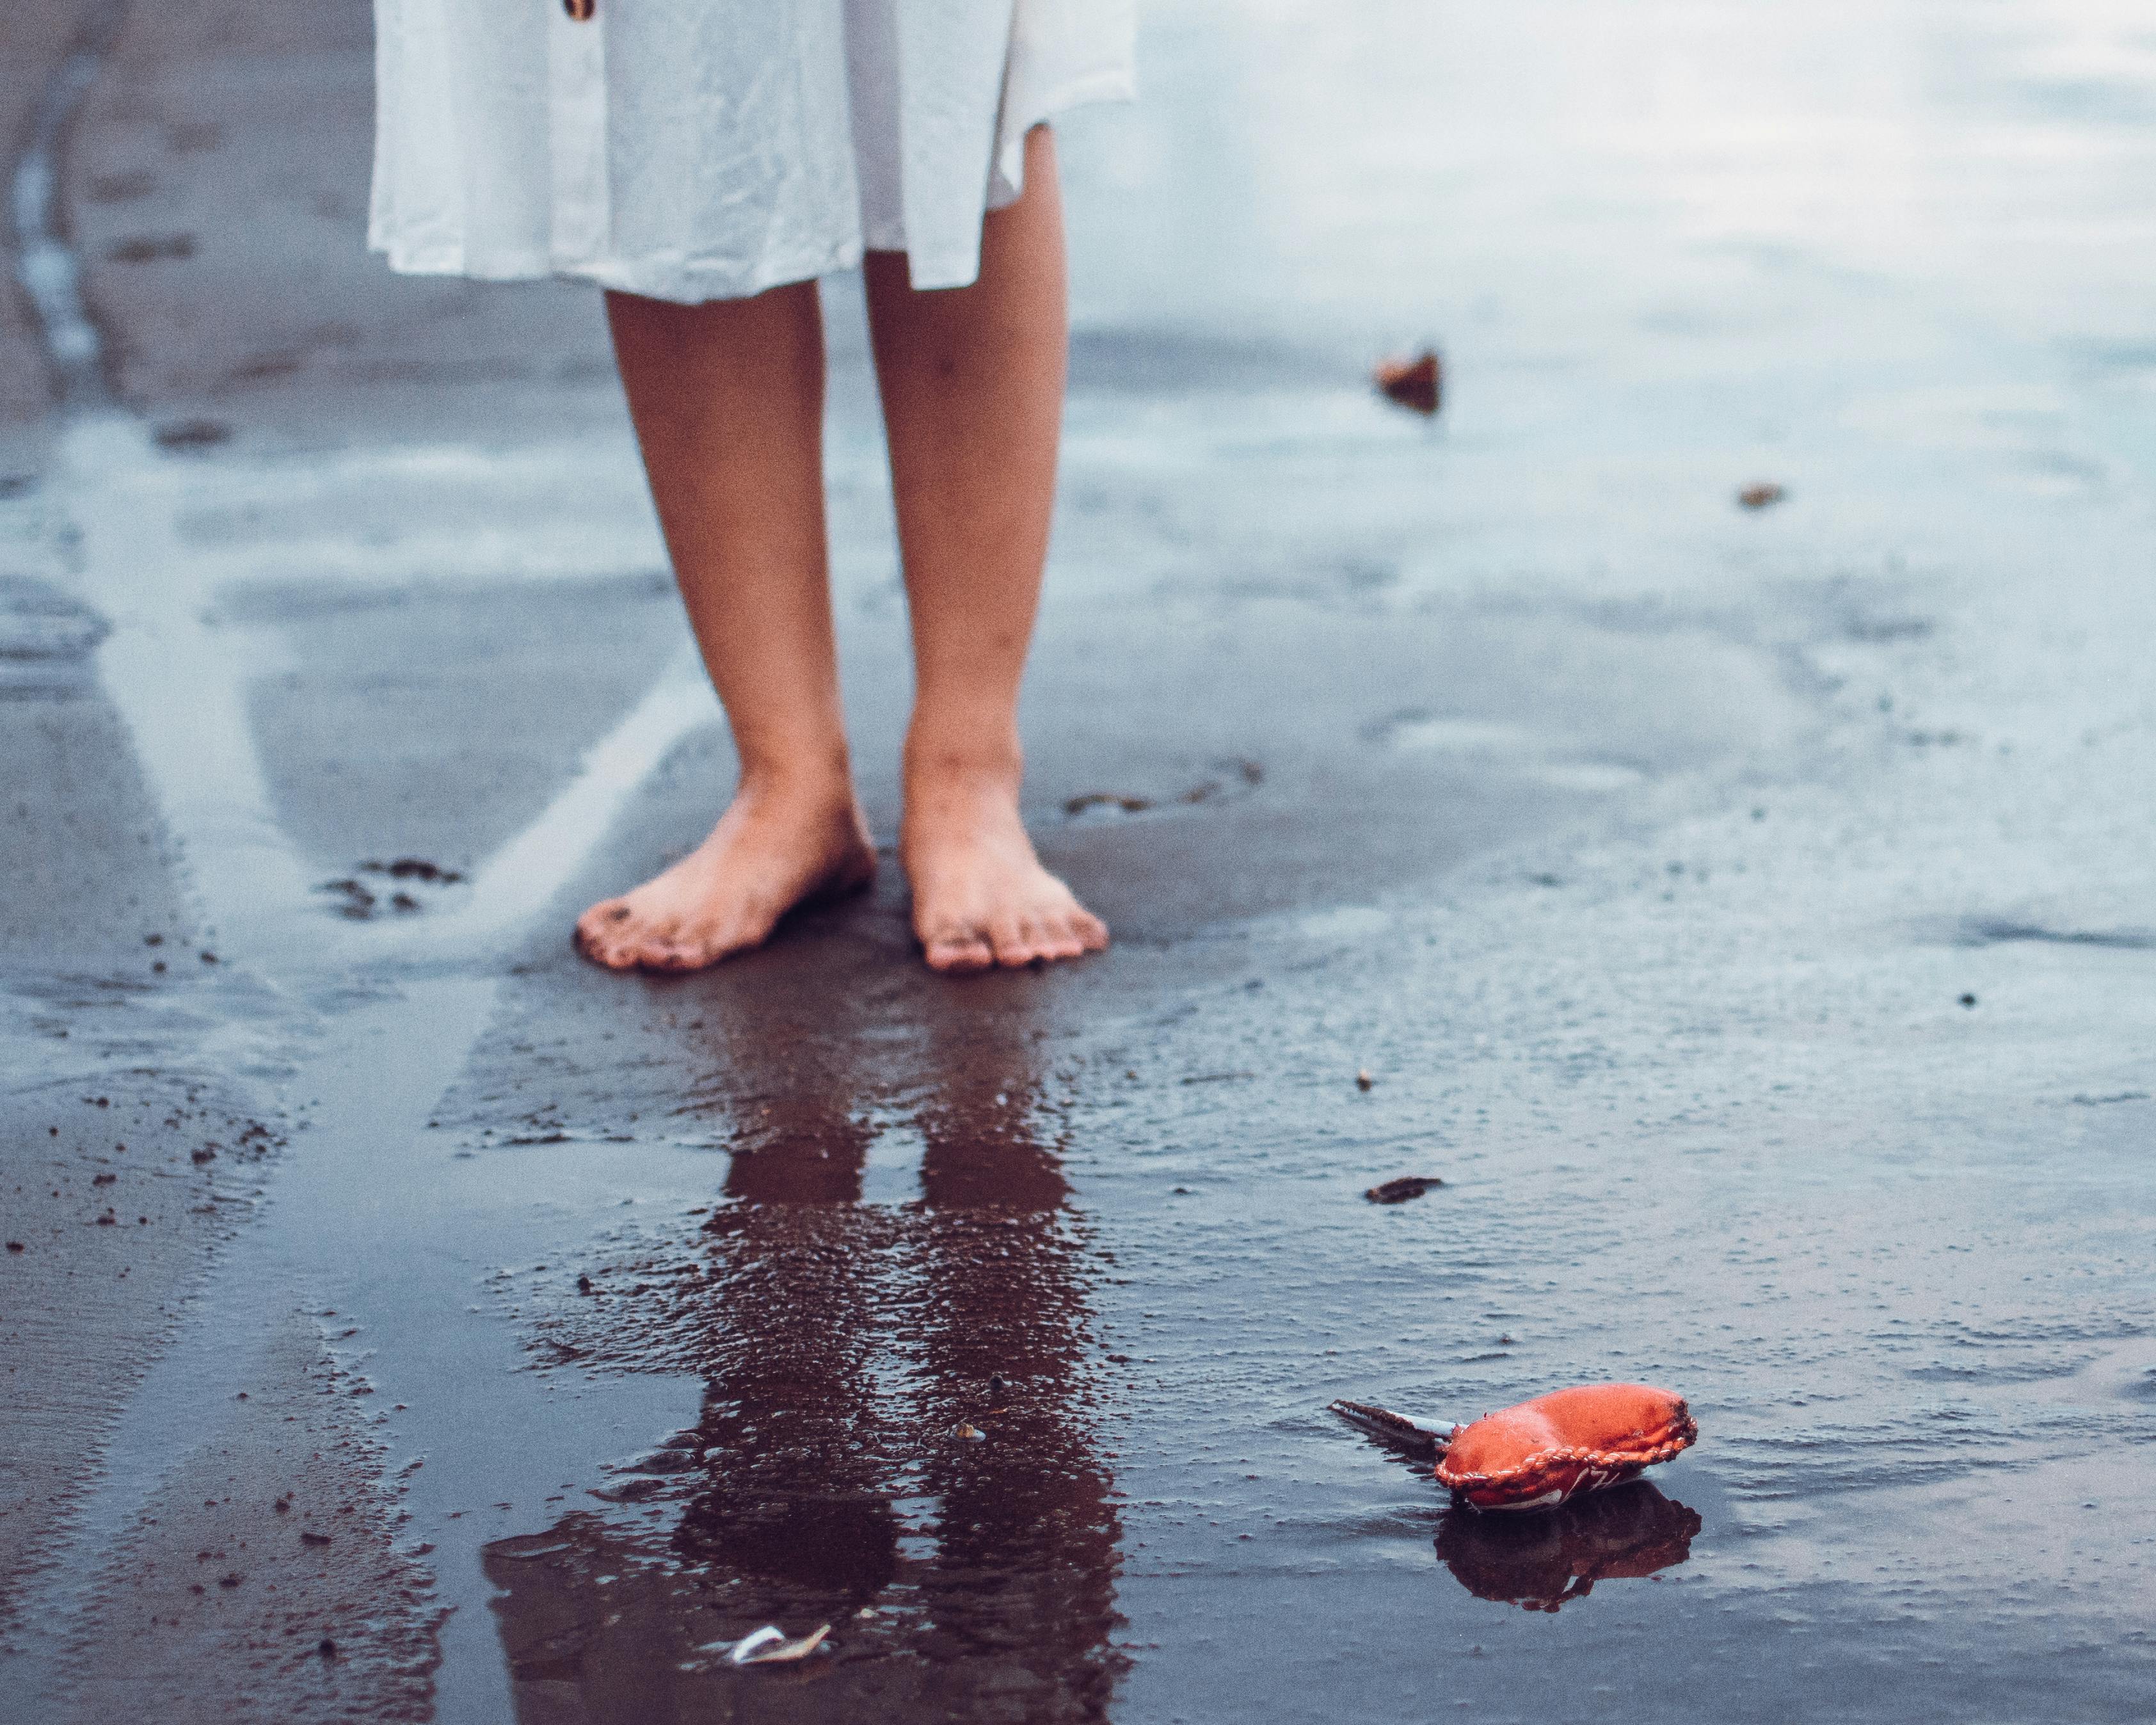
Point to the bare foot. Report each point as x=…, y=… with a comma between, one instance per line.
x=980, y=896
x=772, y=850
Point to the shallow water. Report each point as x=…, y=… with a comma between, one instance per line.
x=1745, y=915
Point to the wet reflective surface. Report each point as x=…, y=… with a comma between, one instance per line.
x=1545, y=1562
x=1745, y=912
x=900, y=1433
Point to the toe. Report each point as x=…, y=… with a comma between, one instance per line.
x=610, y=953
x=700, y=949
x=1013, y=939
x=1091, y=932
x=649, y=941
x=959, y=953
x=601, y=938
x=1061, y=940
x=671, y=946
x=594, y=922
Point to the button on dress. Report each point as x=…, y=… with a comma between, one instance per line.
x=693, y=150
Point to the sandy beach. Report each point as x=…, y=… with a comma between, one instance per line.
x=1747, y=913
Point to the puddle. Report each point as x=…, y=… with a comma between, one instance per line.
x=1599, y=778
x=46, y=640
x=1415, y=731
x=2000, y=932
x=902, y=1427
x=1511, y=748
x=1544, y=1562
x=1343, y=923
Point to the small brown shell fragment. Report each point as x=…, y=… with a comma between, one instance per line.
x=580, y=10
x=1760, y=496
x=1401, y=1190
x=1417, y=384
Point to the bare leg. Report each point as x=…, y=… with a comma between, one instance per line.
x=972, y=399
x=728, y=401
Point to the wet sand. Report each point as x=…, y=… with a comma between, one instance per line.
x=1746, y=912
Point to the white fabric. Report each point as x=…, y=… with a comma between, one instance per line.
x=709, y=149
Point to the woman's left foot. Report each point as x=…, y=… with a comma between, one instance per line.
x=980, y=896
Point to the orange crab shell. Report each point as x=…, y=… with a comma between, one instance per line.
x=1538, y=1454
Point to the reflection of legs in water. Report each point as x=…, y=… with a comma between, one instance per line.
x=785, y=1509
x=1023, y=1589
x=794, y=1491
x=841, y=1345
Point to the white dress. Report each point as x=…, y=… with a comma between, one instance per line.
x=697, y=149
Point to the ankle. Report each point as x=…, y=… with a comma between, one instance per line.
x=813, y=782
x=985, y=759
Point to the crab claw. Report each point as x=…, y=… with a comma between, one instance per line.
x=1426, y=1439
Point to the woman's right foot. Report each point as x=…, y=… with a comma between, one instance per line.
x=981, y=897
x=773, y=850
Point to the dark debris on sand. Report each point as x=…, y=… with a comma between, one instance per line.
x=1417, y=384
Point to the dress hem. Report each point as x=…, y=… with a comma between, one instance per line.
x=672, y=282
x=654, y=277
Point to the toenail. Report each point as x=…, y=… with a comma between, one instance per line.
x=619, y=913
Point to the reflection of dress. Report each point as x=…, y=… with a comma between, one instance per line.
x=709, y=149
